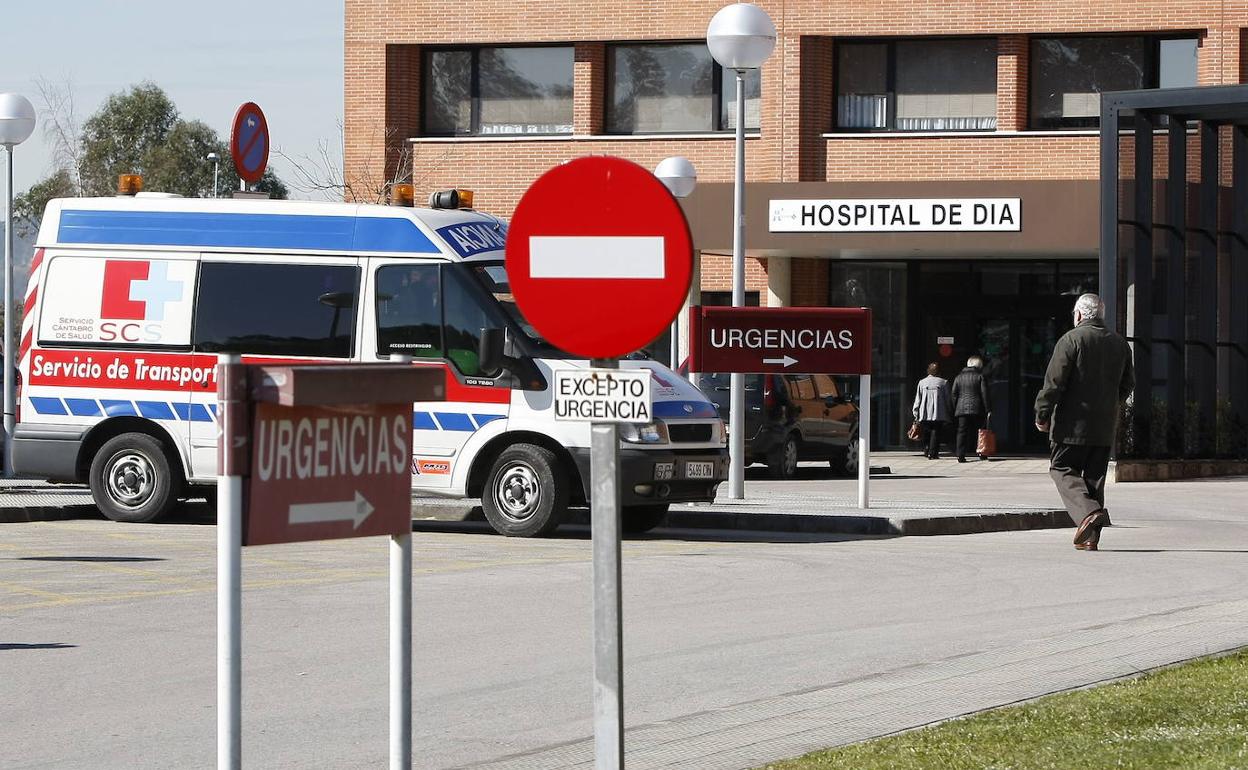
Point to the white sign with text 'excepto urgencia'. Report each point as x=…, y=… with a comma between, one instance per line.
x=603, y=395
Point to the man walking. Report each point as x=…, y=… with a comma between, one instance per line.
x=970, y=405
x=1088, y=378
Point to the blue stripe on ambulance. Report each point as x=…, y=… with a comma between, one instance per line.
x=265, y=231
x=452, y=421
x=154, y=410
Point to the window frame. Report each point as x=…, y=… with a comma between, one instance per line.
x=1152, y=73
x=718, y=121
x=474, y=87
x=890, y=81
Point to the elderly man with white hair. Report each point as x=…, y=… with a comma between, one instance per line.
x=1088, y=378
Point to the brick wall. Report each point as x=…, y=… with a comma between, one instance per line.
x=382, y=81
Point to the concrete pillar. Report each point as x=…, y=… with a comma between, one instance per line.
x=779, y=282
x=694, y=298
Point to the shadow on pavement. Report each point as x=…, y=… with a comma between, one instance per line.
x=91, y=558
x=1174, y=550
x=582, y=532
x=47, y=646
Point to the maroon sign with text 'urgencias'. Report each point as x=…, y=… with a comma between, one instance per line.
x=800, y=340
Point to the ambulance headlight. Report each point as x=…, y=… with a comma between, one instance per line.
x=653, y=433
x=721, y=432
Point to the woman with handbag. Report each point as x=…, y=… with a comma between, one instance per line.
x=932, y=408
x=971, y=408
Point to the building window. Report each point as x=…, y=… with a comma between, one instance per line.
x=674, y=88
x=498, y=91
x=917, y=85
x=276, y=309
x=1068, y=74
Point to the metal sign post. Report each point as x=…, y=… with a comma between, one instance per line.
x=608, y=605
x=864, y=440
x=361, y=491
x=401, y=642
x=587, y=238
x=790, y=340
x=232, y=465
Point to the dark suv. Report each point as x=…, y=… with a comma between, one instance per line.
x=792, y=417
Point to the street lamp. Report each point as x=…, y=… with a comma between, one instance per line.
x=741, y=37
x=17, y=121
x=215, y=160
x=679, y=177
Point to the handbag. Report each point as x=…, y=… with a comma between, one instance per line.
x=986, y=445
x=914, y=433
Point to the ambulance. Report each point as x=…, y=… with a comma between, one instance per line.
x=131, y=299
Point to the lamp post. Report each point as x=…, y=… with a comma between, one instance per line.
x=17, y=121
x=215, y=160
x=741, y=37
x=679, y=177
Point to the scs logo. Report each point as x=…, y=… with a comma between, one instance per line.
x=134, y=298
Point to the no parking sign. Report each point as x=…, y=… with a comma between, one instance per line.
x=249, y=142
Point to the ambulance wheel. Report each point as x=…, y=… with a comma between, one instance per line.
x=526, y=494
x=133, y=480
x=636, y=519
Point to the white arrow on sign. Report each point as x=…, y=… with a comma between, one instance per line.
x=356, y=510
x=786, y=362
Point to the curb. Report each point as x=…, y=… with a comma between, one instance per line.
x=798, y=523
x=801, y=523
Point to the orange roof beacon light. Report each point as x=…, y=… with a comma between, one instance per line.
x=129, y=184
x=451, y=199
x=402, y=194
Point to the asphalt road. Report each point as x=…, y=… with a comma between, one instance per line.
x=737, y=650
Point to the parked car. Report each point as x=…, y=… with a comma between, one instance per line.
x=791, y=418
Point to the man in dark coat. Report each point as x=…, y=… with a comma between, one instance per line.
x=970, y=405
x=1088, y=378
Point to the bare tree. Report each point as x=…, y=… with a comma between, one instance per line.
x=324, y=171
x=61, y=128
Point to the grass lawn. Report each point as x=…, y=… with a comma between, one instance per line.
x=1193, y=717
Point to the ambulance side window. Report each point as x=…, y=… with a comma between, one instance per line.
x=409, y=313
x=276, y=309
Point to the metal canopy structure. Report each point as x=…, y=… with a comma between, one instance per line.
x=1174, y=276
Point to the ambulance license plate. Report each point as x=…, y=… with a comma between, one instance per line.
x=699, y=470
x=663, y=471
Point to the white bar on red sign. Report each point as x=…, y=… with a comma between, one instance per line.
x=596, y=256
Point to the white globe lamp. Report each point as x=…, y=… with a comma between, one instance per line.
x=17, y=119
x=741, y=36
x=678, y=175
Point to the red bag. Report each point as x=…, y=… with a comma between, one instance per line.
x=986, y=445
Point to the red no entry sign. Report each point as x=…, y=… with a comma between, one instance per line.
x=803, y=340
x=599, y=256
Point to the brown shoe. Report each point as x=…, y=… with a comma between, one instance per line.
x=1088, y=546
x=1090, y=526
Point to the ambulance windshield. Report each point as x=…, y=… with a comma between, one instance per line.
x=494, y=278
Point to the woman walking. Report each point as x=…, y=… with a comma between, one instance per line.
x=970, y=405
x=932, y=408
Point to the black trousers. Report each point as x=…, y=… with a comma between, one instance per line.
x=1079, y=472
x=968, y=433
x=931, y=430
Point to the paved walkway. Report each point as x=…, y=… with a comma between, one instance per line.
x=905, y=500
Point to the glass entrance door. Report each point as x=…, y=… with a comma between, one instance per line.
x=1015, y=351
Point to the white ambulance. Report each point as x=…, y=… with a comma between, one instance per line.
x=131, y=299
